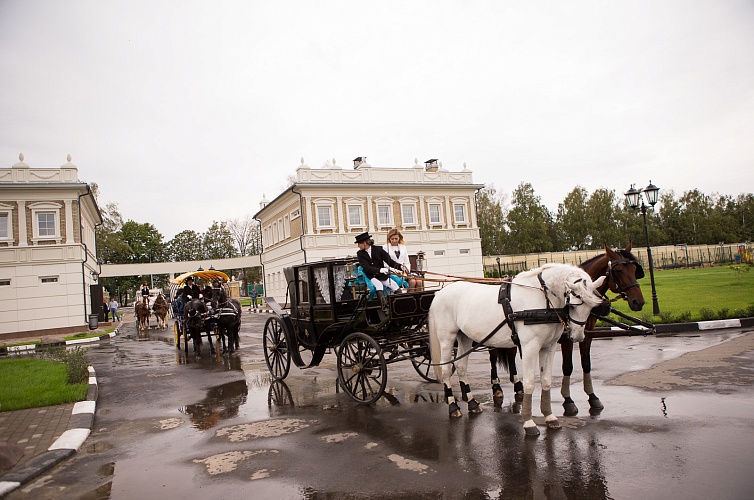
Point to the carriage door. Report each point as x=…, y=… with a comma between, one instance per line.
x=303, y=302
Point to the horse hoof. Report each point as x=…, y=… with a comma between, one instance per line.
x=519, y=397
x=571, y=410
x=553, y=424
x=497, y=401
x=595, y=403
x=454, y=410
x=456, y=414
x=531, y=431
x=474, y=407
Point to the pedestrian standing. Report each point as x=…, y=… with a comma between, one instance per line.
x=114, y=310
x=254, y=297
x=105, y=310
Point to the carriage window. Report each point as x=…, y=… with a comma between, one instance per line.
x=343, y=285
x=303, y=286
x=322, y=291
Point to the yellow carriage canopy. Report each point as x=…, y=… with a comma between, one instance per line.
x=205, y=275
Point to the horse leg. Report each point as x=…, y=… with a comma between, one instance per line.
x=518, y=386
x=595, y=405
x=446, y=353
x=209, y=339
x=570, y=407
x=530, y=373
x=196, y=336
x=497, y=391
x=464, y=345
x=545, y=380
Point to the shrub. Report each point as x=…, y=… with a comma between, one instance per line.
x=707, y=314
x=723, y=313
x=76, y=362
x=684, y=317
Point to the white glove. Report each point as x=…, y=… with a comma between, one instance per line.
x=189, y=297
x=201, y=296
x=385, y=270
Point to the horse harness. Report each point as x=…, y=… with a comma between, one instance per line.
x=549, y=314
x=610, y=276
x=529, y=316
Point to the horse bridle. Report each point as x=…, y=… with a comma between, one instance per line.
x=611, y=277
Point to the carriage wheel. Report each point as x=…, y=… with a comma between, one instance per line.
x=177, y=335
x=277, y=353
x=422, y=363
x=362, y=370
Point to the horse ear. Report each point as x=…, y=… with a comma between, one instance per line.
x=628, y=247
x=610, y=252
x=598, y=282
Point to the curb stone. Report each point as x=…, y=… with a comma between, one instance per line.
x=79, y=428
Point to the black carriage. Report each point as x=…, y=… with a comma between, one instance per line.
x=331, y=310
x=179, y=326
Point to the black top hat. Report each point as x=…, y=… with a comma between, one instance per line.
x=189, y=279
x=363, y=237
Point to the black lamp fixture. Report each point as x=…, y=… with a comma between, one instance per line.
x=499, y=272
x=211, y=267
x=200, y=269
x=635, y=201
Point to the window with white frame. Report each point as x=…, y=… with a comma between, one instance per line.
x=408, y=214
x=6, y=232
x=384, y=214
x=286, y=227
x=355, y=215
x=324, y=211
x=46, y=221
x=295, y=214
x=459, y=213
x=435, y=214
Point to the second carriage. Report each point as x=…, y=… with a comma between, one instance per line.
x=331, y=309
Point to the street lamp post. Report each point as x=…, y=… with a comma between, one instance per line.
x=499, y=272
x=633, y=198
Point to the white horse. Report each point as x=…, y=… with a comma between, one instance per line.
x=470, y=312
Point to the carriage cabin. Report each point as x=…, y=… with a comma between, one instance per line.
x=327, y=298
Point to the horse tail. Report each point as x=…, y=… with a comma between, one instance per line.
x=503, y=355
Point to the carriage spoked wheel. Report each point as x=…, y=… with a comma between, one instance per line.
x=422, y=363
x=362, y=370
x=277, y=353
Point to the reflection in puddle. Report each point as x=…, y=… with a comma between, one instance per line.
x=222, y=402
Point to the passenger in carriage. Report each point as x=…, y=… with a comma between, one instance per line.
x=374, y=261
x=396, y=248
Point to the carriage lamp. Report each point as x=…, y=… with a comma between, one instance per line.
x=352, y=266
x=211, y=267
x=421, y=262
x=200, y=269
x=635, y=201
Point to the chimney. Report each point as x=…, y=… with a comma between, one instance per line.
x=431, y=165
x=358, y=161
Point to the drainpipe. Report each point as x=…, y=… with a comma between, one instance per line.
x=301, y=211
x=86, y=256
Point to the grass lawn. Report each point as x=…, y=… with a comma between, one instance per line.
x=697, y=294
x=32, y=382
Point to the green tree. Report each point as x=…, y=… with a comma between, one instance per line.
x=529, y=222
x=144, y=240
x=491, y=221
x=218, y=243
x=186, y=245
x=571, y=219
x=602, y=209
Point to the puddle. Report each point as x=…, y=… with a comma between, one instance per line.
x=98, y=447
x=222, y=402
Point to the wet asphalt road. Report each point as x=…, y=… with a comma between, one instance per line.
x=175, y=426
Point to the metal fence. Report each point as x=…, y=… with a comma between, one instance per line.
x=663, y=257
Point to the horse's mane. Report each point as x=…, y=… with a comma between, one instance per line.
x=594, y=259
x=624, y=253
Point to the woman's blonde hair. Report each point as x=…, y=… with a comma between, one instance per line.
x=395, y=232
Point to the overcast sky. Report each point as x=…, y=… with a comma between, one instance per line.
x=188, y=112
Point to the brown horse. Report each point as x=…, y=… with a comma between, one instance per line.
x=141, y=310
x=622, y=271
x=160, y=308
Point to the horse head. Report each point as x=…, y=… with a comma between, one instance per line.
x=623, y=273
x=581, y=296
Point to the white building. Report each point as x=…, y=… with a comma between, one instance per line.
x=47, y=248
x=318, y=217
